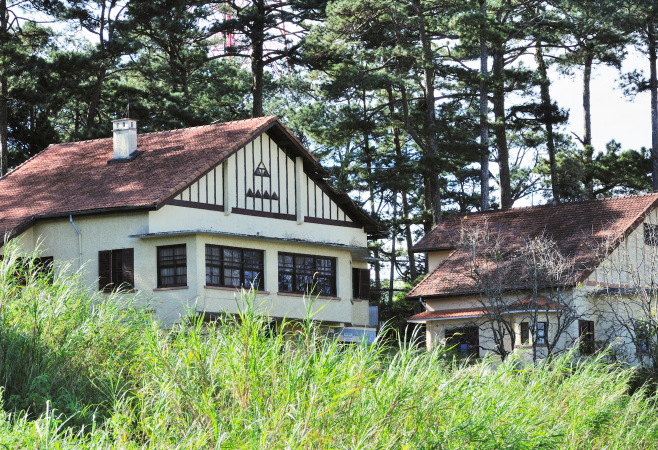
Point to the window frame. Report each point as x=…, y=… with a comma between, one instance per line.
x=126, y=270
x=525, y=330
x=465, y=335
x=544, y=334
x=333, y=277
x=587, y=342
x=175, y=266
x=242, y=268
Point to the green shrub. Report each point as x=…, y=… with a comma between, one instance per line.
x=93, y=372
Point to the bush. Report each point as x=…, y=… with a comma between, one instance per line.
x=241, y=383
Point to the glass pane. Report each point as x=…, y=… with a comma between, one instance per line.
x=285, y=282
x=325, y=266
x=324, y=286
x=232, y=277
x=251, y=278
x=285, y=263
x=232, y=256
x=212, y=275
x=253, y=258
x=304, y=283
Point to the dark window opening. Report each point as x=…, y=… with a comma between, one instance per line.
x=172, y=266
x=306, y=274
x=361, y=284
x=642, y=337
x=233, y=267
x=525, y=333
x=651, y=234
x=465, y=340
x=116, y=270
x=586, y=335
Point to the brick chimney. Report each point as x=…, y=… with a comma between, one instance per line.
x=125, y=139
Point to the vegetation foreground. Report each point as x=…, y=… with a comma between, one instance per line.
x=83, y=370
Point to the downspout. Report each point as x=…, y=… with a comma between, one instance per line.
x=79, y=240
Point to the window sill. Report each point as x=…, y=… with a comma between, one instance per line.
x=233, y=289
x=530, y=346
x=358, y=300
x=293, y=294
x=172, y=288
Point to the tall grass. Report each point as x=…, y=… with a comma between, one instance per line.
x=117, y=379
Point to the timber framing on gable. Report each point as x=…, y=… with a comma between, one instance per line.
x=272, y=175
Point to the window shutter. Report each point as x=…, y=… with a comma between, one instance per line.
x=356, y=283
x=128, y=266
x=105, y=270
x=364, y=283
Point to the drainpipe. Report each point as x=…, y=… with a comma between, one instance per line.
x=79, y=240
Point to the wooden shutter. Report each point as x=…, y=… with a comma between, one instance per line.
x=356, y=283
x=105, y=270
x=364, y=284
x=128, y=266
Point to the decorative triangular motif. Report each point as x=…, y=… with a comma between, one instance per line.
x=258, y=194
x=250, y=193
x=274, y=196
x=266, y=195
x=261, y=170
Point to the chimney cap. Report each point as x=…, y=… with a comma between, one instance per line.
x=124, y=124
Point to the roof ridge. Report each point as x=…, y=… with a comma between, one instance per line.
x=151, y=133
x=547, y=205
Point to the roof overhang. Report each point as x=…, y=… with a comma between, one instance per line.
x=358, y=253
x=476, y=316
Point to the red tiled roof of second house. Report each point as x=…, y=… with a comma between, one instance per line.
x=74, y=178
x=577, y=228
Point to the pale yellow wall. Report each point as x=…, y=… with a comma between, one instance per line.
x=107, y=232
x=176, y=218
x=630, y=263
x=436, y=332
x=436, y=258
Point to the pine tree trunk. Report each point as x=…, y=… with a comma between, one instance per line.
x=413, y=273
x=405, y=205
x=393, y=256
x=653, y=87
x=587, y=137
x=500, y=130
x=484, y=109
x=430, y=103
x=257, y=64
x=427, y=226
x=544, y=85
x=4, y=151
x=587, y=108
x=95, y=99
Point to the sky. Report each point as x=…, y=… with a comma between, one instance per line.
x=614, y=115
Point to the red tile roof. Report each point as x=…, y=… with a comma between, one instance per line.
x=577, y=228
x=75, y=177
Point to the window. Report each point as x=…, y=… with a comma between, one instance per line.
x=525, y=333
x=361, y=283
x=116, y=269
x=542, y=333
x=586, y=335
x=642, y=337
x=651, y=234
x=307, y=274
x=172, y=266
x=233, y=267
x=465, y=341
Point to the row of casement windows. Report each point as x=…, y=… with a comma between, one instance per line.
x=232, y=267
x=465, y=340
